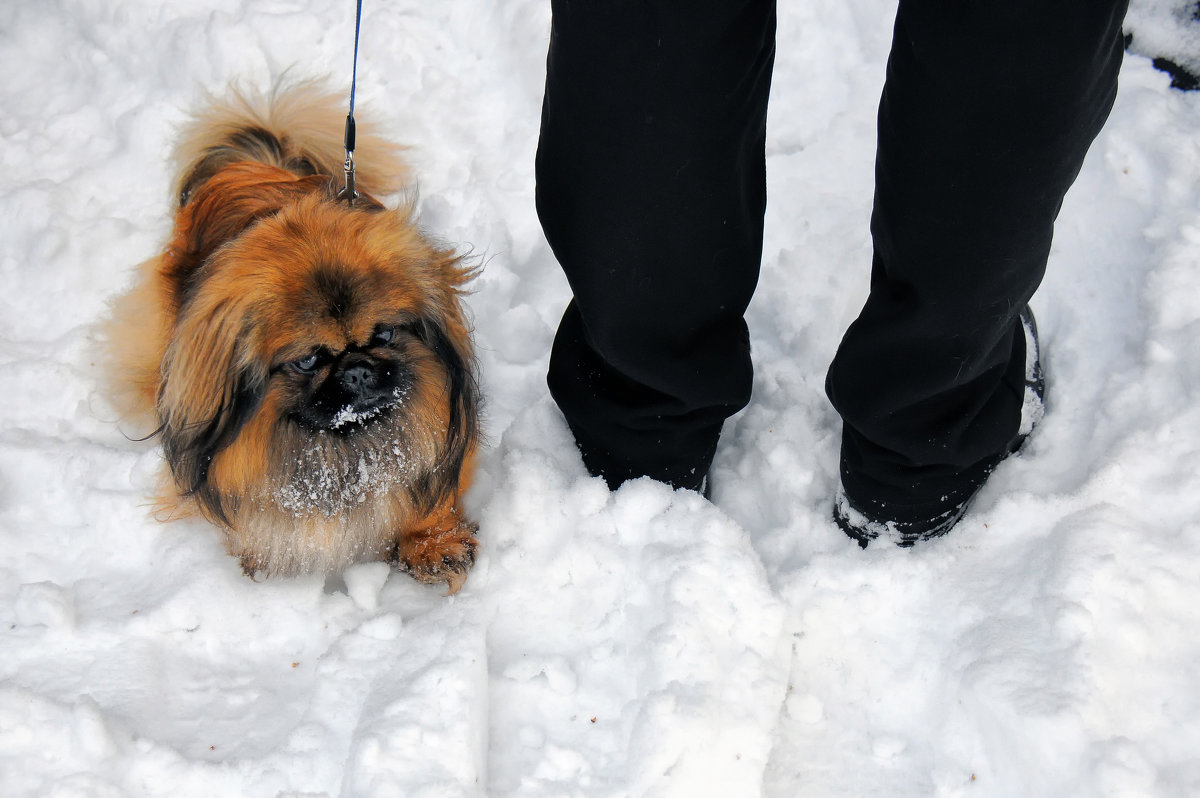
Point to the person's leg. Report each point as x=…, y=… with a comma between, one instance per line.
x=986, y=115
x=651, y=190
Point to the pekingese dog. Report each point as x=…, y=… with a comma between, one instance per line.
x=305, y=361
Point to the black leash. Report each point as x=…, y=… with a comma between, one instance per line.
x=349, y=193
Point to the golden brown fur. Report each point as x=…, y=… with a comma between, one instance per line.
x=274, y=304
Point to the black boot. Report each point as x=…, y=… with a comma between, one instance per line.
x=864, y=527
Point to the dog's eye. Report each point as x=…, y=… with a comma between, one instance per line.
x=307, y=363
x=383, y=336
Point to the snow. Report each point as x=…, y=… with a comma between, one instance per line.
x=1167, y=29
x=642, y=642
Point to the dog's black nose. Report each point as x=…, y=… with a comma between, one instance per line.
x=359, y=378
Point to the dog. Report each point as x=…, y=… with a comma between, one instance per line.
x=305, y=361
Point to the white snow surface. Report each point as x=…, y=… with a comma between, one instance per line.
x=1168, y=29
x=642, y=642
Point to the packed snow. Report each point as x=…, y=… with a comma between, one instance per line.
x=642, y=642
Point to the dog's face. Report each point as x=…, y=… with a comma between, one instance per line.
x=320, y=353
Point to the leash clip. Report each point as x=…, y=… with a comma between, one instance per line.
x=349, y=193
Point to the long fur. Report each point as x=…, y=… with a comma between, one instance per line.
x=304, y=123
x=263, y=266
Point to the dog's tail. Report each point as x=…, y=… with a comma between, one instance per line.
x=296, y=126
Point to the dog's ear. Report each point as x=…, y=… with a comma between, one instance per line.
x=462, y=434
x=212, y=384
x=220, y=208
x=447, y=335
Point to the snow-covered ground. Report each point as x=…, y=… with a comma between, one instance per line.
x=637, y=643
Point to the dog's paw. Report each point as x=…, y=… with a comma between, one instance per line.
x=439, y=555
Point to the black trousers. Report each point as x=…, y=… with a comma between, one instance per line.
x=651, y=191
